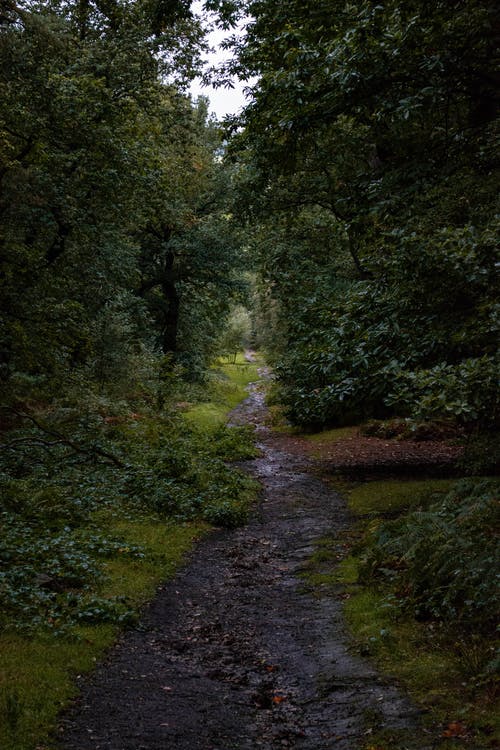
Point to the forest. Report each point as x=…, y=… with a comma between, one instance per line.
x=344, y=224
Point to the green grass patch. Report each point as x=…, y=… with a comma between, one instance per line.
x=347, y=571
x=328, y=566
x=240, y=374
x=320, y=440
x=395, y=495
x=165, y=545
x=434, y=669
x=37, y=678
x=332, y=436
x=430, y=666
x=207, y=415
x=227, y=388
x=399, y=644
x=86, y=544
x=38, y=675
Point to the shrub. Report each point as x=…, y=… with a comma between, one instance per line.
x=467, y=392
x=442, y=561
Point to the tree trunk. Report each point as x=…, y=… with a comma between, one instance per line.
x=172, y=305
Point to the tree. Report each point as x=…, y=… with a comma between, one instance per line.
x=383, y=118
x=236, y=336
x=106, y=173
x=189, y=266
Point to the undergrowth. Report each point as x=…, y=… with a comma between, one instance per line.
x=441, y=561
x=226, y=386
x=422, y=597
x=39, y=670
x=97, y=507
x=51, y=550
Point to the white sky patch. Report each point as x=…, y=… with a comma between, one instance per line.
x=223, y=101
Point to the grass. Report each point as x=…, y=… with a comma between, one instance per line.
x=428, y=665
x=328, y=565
x=227, y=389
x=39, y=674
x=38, y=680
x=165, y=544
x=395, y=495
x=438, y=670
x=331, y=436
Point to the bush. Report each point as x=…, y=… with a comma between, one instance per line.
x=234, y=443
x=442, y=561
x=482, y=454
x=409, y=429
x=45, y=575
x=466, y=392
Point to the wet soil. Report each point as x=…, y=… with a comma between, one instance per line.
x=363, y=457
x=237, y=652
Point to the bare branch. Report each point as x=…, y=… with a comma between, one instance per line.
x=64, y=440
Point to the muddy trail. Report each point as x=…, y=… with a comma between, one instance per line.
x=237, y=652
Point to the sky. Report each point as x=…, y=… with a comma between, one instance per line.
x=223, y=101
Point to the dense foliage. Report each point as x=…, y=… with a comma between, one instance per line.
x=440, y=561
x=115, y=245
x=371, y=148
x=366, y=167
x=363, y=177
x=119, y=265
x=56, y=492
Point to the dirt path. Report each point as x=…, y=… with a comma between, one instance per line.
x=236, y=653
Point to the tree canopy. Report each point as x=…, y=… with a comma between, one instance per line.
x=371, y=148
x=364, y=168
x=114, y=234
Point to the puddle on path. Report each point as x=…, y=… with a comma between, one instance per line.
x=235, y=653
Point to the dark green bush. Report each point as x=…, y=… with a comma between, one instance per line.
x=234, y=443
x=44, y=575
x=442, y=561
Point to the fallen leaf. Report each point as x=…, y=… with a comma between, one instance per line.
x=278, y=699
x=455, y=729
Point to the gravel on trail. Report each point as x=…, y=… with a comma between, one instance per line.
x=237, y=652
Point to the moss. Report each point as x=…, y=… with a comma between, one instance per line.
x=37, y=679
x=207, y=415
x=227, y=389
x=165, y=545
x=427, y=664
x=437, y=672
x=38, y=674
x=328, y=566
x=348, y=570
x=391, y=495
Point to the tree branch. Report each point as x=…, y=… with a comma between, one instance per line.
x=62, y=439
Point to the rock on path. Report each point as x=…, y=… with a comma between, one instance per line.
x=235, y=653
